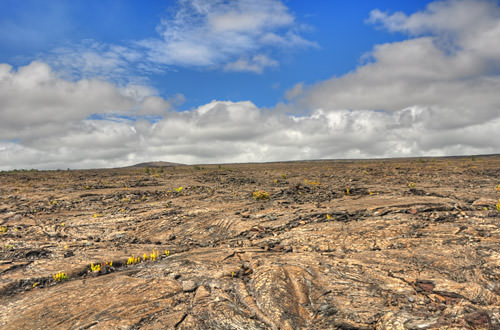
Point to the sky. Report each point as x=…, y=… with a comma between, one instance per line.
x=107, y=83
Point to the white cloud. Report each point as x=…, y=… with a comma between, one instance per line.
x=441, y=17
x=223, y=131
x=222, y=33
x=91, y=59
x=34, y=97
x=449, y=68
x=35, y=101
x=464, y=28
x=256, y=64
x=294, y=92
x=151, y=105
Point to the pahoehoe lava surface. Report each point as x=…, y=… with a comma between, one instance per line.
x=385, y=244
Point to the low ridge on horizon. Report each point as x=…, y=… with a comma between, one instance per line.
x=156, y=163
x=160, y=163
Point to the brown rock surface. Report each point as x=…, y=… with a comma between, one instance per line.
x=338, y=245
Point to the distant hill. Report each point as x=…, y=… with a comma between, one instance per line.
x=155, y=164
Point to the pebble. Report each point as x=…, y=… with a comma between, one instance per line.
x=201, y=293
x=484, y=202
x=188, y=286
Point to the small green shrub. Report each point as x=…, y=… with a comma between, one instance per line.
x=95, y=268
x=60, y=276
x=152, y=256
x=260, y=195
x=133, y=260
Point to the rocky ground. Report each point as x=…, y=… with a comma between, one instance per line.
x=386, y=244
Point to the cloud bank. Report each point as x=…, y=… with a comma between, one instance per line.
x=435, y=93
x=441, y=82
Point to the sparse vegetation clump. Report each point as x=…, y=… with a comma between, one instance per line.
x=313, y=182
x=60, y=276
x=133, y=260
x=95, y=268
x=153, y=256
x=260, y=195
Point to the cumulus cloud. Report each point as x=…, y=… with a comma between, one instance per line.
x=35, y=101
x=34, y=97
x=224, y=131
x=447, y=72
x=294, y=91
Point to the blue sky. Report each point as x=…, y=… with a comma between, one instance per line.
x=109, y=83
x=31, y=30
